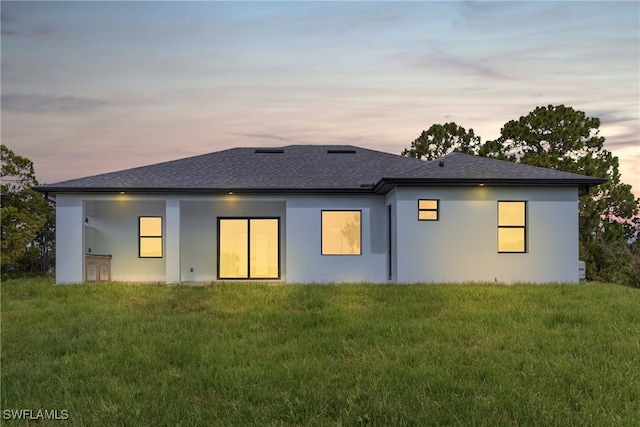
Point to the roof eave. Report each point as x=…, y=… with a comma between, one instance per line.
x=381, y=187
x=386, y=184
x=193, y=191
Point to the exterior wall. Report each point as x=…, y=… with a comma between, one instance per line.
x=462, y=245
x=112, y=229
x=199, y=230
x=391, y=201
x=172, y=240
x=69, y=240
x=108, y=225
x=305, y=262
x=198, y=241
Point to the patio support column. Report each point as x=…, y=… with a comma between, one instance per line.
x=69, y=240
x=172, y=244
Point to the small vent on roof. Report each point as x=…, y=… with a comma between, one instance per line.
x=269, y=151
x=441, y=163
x=341, y=151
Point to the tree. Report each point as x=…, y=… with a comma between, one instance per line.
x=440, y=140
x=27, y=217
x=559, y=137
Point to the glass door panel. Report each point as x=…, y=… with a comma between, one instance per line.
x=248, y=248
x=234, y=241
x=263, y=248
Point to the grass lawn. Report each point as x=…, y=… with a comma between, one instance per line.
x=273, y=354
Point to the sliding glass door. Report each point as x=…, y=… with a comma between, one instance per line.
x=248, y=248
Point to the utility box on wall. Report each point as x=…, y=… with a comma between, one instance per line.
x=97, y=268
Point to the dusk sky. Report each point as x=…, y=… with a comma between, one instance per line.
x=93, y=87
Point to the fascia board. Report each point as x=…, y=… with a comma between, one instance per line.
x=385, y=184
x=208, y=191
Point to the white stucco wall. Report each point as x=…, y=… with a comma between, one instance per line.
x=69, y=240
x=113, y=230
x=199, y=230
x=462, y=245
x=305, y=262
x=301, y=260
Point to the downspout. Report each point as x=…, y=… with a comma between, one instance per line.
x=584, y=192
x=49, y=199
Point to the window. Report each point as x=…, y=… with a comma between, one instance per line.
x=428, y=210
x=512, y=227
x=341, y=233
x=150, y=237
x=248, y=248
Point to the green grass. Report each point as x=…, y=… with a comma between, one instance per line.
x=265, y=354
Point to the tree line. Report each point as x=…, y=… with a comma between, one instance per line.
x=28, y=219
x=555, y=137
x=561, y=138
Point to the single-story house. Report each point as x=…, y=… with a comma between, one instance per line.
x=320, y=214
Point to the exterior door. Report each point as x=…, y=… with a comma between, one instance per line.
x=248, y=248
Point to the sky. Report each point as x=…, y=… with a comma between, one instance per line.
x=93, y=87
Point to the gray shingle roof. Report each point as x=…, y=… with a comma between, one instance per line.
x=459, y=168
x=310, y=168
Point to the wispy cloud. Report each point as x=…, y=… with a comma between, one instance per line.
x=214, y=75
x=623, y=141
x=31, y=103
x=39, y=32
x=474, y=66
x=9, y=23
x=265, y=136
x=611, y=117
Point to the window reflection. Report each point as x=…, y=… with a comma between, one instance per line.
x=428, y=210
x=150, y=237
x=428, y=204
x=341, y=233
x=512, y=227
x=150, y=226
x=233, y=248
x=511, y=213
x=264, y=248
x=248, y=248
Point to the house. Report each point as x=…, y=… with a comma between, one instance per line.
x=318, y=213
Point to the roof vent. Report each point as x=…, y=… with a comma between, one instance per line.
x=341, y=151
x=441, y=163
x=269, y=151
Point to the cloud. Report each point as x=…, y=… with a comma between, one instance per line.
x=30, y=103
x=8, y=21
x=622, y=142
x=612, y=117
x=39, y=32
x=264, y=136
x=474, y=66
